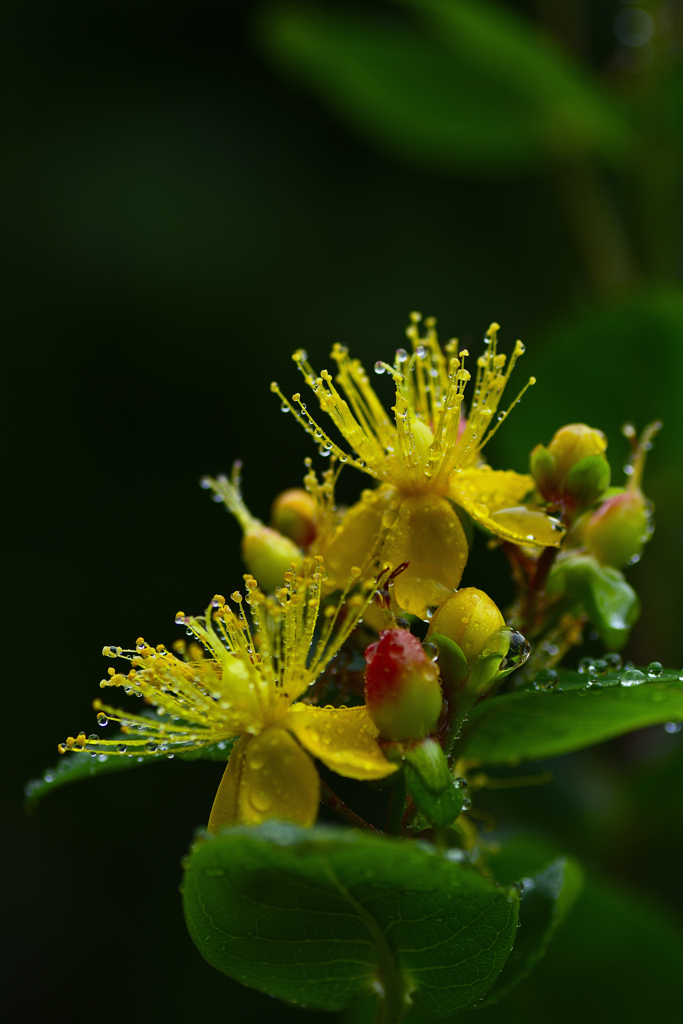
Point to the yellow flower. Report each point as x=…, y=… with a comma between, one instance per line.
x=427, y=459
x=246, y=686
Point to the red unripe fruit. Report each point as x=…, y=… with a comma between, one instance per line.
x=402, y=689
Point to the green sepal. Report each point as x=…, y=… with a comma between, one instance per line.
x=452, y=664
x=75, y=767
x=588, y=479
x=323, y=917
x=544, y=470
x=610, y=603
x=431, y=784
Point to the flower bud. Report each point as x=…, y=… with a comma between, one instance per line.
x=616, y=532
x=402, y=689
x=293, y=514
x=469, y=618
x=573, y=467
x=268, y=555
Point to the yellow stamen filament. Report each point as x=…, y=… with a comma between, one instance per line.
x=249, y=677
x=428, y=438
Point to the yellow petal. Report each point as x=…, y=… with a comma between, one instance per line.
x=428, y=534
x=493, y=498
x=224, y=811
x=344, y=739
x=493, y=488
x=355, y=537
x=279, y=780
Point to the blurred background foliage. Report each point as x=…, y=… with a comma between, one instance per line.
x=192, y=190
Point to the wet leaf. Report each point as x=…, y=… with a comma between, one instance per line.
x=323, y=917
x=547, y=896
x=75, y=767
x=579, y=711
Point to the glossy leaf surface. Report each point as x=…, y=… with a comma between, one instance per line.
x=323, y=917
x=76, y=767
x=577, y=712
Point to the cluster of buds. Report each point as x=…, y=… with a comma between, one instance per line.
x=608, y=526
x=417, y=694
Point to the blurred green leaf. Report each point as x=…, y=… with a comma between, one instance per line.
x=323, y=917
x=454, y=84
x=547, y=897
x=531, y=724
x=76, y=767
x=616, y=957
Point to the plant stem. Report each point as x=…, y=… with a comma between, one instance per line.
x=396, y=808
x=536, y=588
x=331, y=800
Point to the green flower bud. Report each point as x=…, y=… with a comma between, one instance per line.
x=610, y=603
x=572, y=469
x=575, y=442
x=469, y=618
x=268, y=556
x=616, y=532
x=587, y=480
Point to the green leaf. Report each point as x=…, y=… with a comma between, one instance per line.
x=454, y=84
x=582, y=710
x=547, y=896
x=75, y=767
x=615, y=958
x=323, y=917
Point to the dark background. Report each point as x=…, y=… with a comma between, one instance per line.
x=182, y=214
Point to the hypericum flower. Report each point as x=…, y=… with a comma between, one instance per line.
x=426, y=458
x=246, y=686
